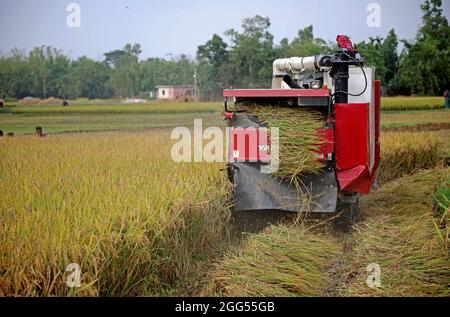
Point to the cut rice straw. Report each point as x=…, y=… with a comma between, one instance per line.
x=299, y=137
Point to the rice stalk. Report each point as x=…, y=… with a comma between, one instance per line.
x=299, y=138
x=135, y=221
x=400, y=234
x=411, y=103
x=404, y=153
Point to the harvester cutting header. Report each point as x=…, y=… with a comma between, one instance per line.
x=331, y=104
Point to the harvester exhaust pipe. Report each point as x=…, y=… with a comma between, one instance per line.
x=297, y=65
x=300, y=64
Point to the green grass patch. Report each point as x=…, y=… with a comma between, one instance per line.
x=442, y=202
x=411, y=103
x=104, y=122
x=58, y=119
x=154, y=108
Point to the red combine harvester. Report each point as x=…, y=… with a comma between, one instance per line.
x=340, y=87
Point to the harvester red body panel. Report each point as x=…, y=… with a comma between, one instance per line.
x=354, y=170
x=352, y=147
x=249, y=145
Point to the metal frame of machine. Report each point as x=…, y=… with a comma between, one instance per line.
x=351, y=147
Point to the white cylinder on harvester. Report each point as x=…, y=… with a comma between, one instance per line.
x=295, y=66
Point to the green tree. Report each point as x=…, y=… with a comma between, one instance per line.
x=130, y=53
x=86, y=78
x=252, y=53
x=213, y=58
x=15, y=75
x=214, y=52
x=423, y=64
x=126, y=73
x=48, y=66
x=382, y=53
x=390, y=57
x=158, y=71
x=305, y=44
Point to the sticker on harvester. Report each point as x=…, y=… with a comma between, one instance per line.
x=250, y=144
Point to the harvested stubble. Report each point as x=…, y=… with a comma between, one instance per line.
x=282, y=261
x=404, y=153
x=405, y=236
x=298, y=137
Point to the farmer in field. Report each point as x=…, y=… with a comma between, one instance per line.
x=39, y=132
x=446, y=99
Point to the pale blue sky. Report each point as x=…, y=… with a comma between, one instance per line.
x=174, y=26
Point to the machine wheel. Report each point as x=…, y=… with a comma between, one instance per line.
x=348, y=210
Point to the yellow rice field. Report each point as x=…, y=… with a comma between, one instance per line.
x=136, y=222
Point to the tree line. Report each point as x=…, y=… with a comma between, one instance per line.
x=243, y=59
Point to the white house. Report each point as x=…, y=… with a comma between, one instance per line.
x=170, y=92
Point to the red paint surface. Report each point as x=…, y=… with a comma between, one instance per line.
x=352, y=144
x=249, y=145
x=253, y=144
x=327, y=147
x=377, y=101
x=344, y=43
x=229, y=115
x=323, y=149
x=352, y=121
x=356, y=179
